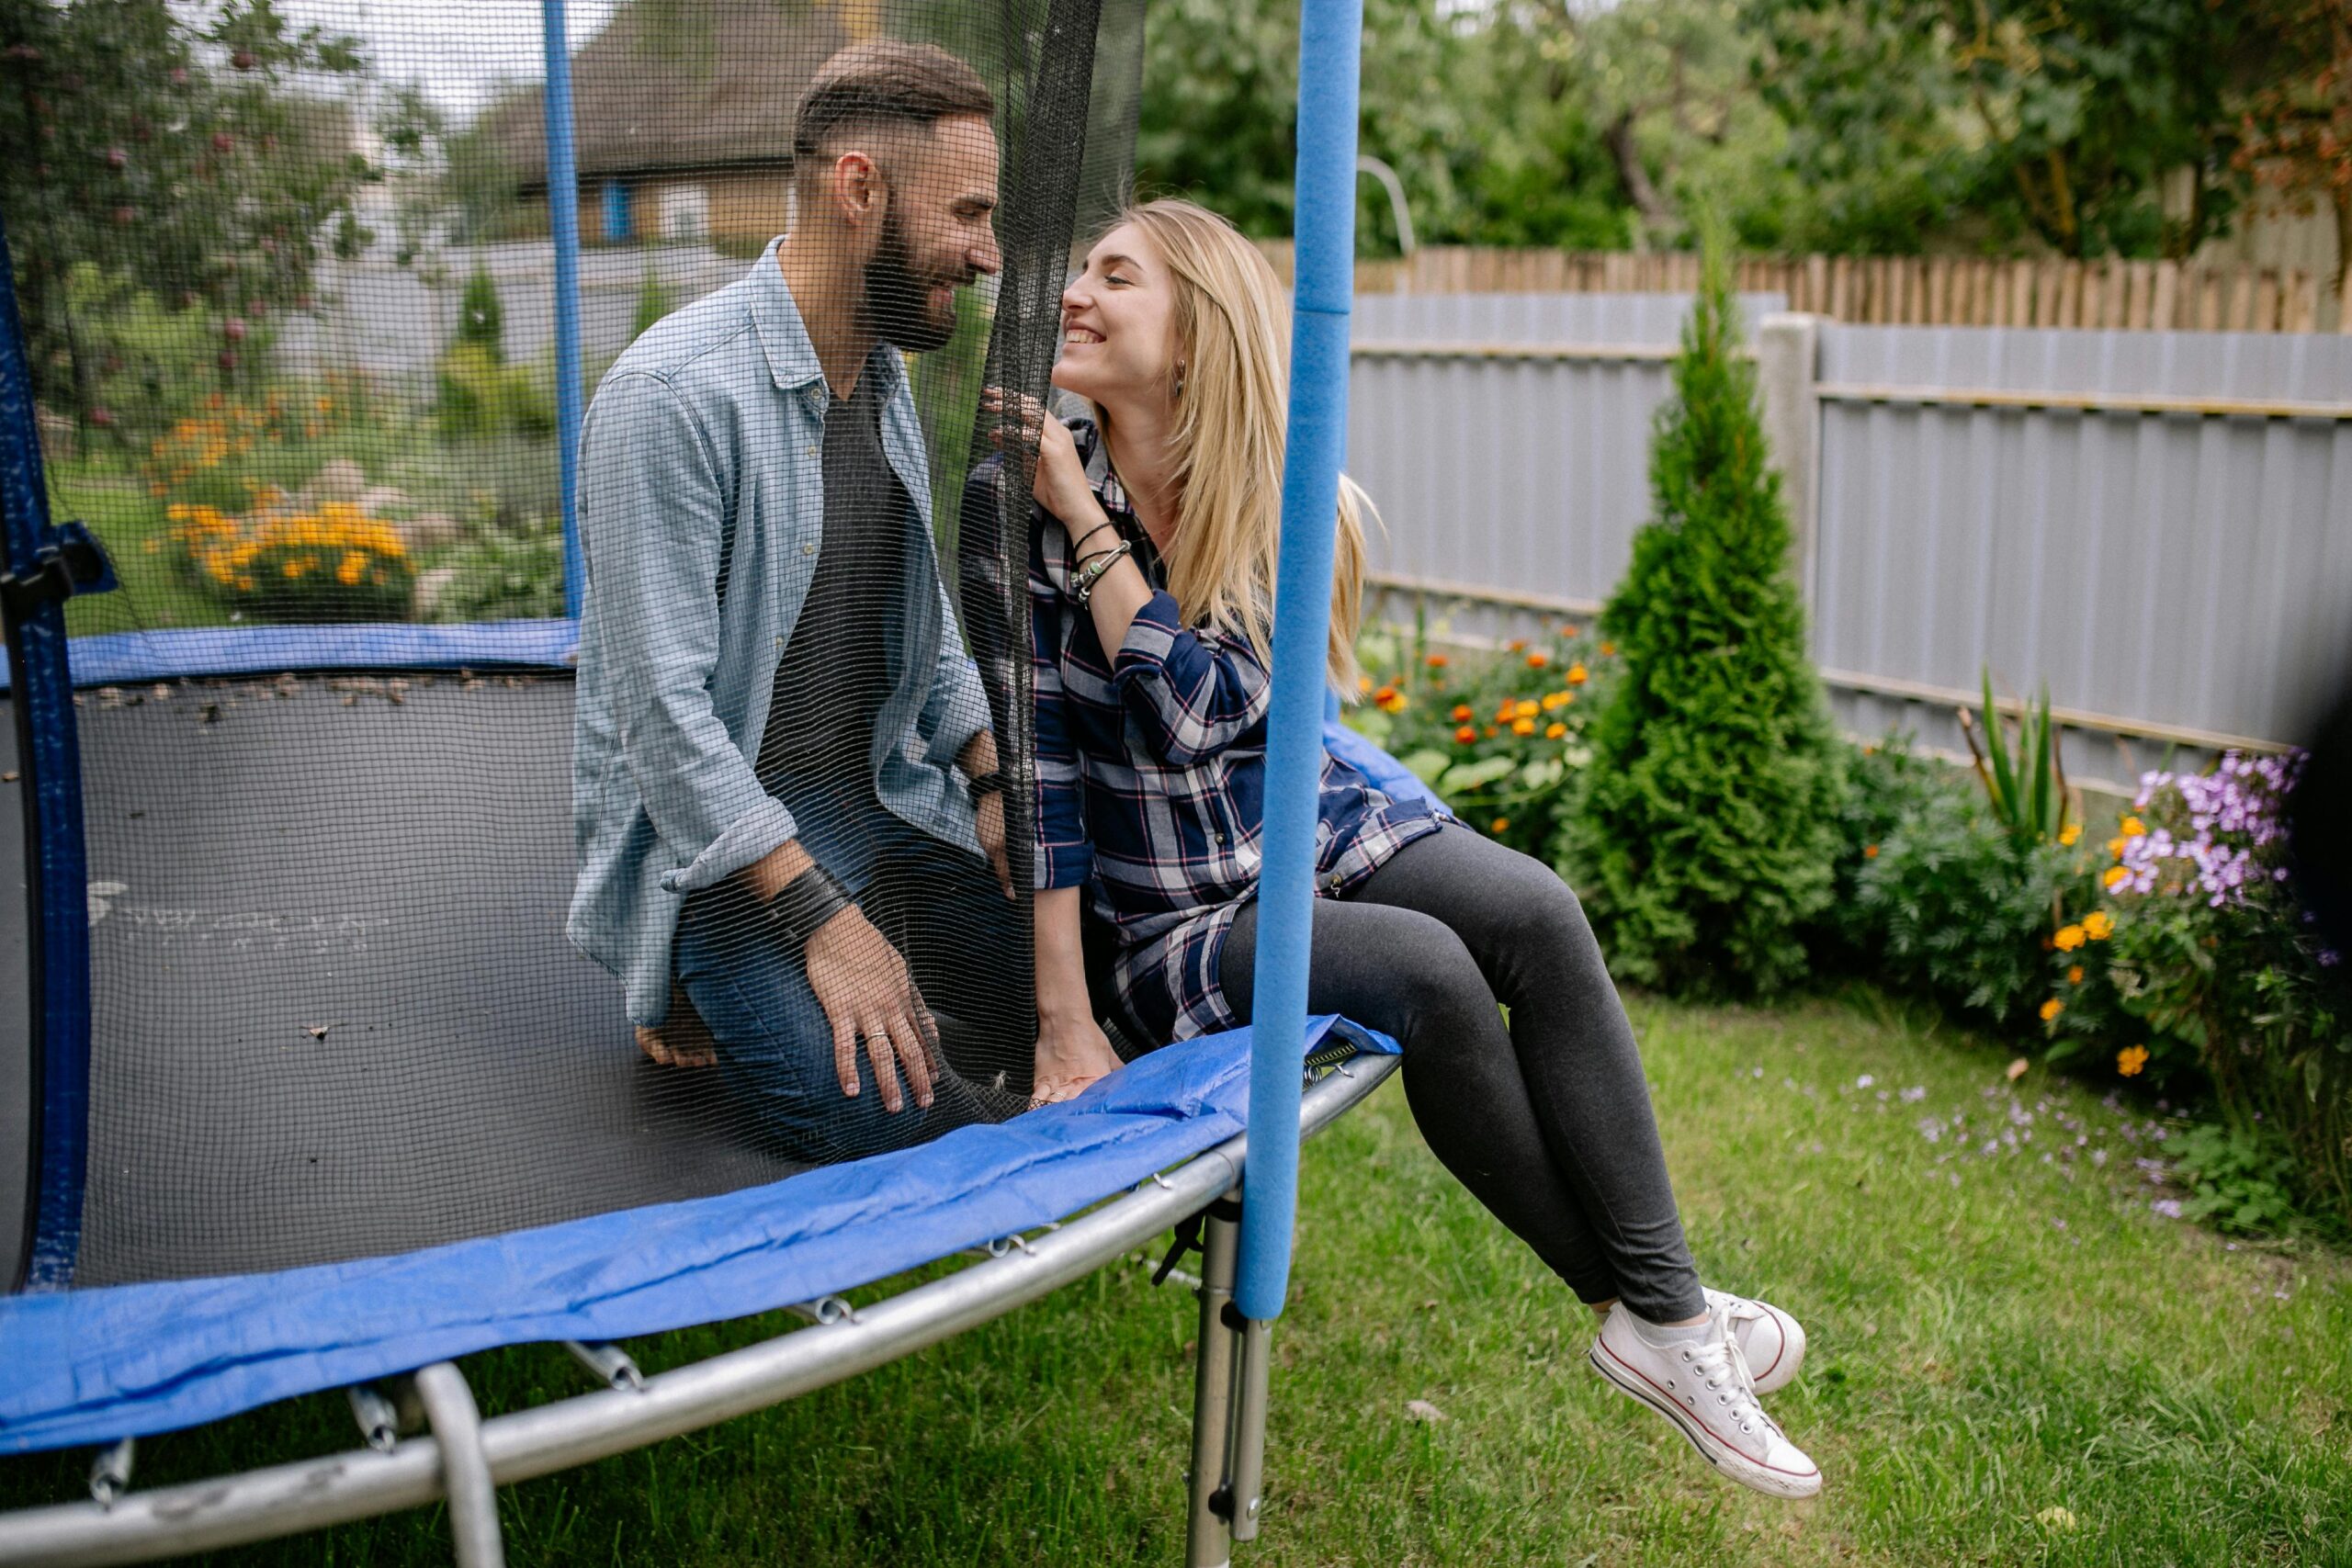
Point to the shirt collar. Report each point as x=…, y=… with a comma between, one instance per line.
x=792, y=359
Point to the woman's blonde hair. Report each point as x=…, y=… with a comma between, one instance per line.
x=1231, y=399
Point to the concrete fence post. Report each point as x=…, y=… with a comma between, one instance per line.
x=1788, y=360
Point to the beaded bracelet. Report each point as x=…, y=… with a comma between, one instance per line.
x=1082, y=582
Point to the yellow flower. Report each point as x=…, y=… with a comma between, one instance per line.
x=1555, y=700
x=294, y=567
x=1363, y=683
x=1500, y=825
x=1578, y=674
x=2052, y=1008
x=2070, y=938
x=353, y=568
x=1523, y=727
x=1554, y=731
x=2130, y=1059
x=2115, y=876
x=2069, y=834
x=1525, y=709
x=2073, y=974
x=2134, y=827
x=2115, y=846
x=2097, y=926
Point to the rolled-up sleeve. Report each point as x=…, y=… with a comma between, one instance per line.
x=1194, y=693
x=957, y=707
x=1065, y=859
x=652, y=518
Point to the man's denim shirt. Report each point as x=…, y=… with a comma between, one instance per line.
x=705, y=444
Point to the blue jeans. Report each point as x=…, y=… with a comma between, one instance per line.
x=964, y=942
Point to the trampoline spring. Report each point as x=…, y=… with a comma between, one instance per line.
x=378, y=1417
x=110, y=1471
x=825, y=1311
x=1160, y=1181
x=608, y=1363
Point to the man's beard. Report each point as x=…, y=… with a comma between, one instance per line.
x=897, y=303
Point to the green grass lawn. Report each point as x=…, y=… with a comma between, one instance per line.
x=1993, y=1337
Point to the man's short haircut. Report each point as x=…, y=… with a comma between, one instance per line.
x=881, y=83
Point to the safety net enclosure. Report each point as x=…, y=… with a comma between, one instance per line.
x=414, y=419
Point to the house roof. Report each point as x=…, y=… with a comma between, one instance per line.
x=675, y=84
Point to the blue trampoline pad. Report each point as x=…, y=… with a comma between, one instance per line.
x=126, y=1360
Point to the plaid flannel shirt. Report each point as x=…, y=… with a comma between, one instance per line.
x=1151, y=779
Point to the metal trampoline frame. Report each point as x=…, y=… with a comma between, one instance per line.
x=463, y=1459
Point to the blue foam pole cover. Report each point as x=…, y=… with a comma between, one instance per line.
x=563, y=216
x=1330, y=34
x=56, y=860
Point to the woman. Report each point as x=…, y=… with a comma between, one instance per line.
x=1156, y=537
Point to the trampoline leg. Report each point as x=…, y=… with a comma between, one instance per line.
x=110, y=1471
x=1249, y=1424
x=1209, y=1536
x=449, y=1409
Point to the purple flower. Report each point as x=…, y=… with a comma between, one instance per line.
x=2168, y=1207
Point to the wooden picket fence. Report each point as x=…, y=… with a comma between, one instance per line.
x=1902, y=290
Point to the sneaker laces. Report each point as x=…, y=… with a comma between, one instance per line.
x=1722, y=1363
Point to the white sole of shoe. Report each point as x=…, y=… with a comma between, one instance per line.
x=1728, y=1461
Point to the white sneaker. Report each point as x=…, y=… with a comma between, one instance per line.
x=1770, y=1339
x=1702, y=1387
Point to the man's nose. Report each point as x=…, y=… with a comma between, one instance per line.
x=985, y=256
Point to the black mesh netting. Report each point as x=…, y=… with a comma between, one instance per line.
x=288, y=288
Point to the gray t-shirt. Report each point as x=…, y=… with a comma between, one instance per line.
x=835, y=672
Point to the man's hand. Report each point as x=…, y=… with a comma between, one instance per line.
x=684, y=1040
x=865, y=989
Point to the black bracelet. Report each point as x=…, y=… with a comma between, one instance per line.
x=989, y=782
x=1080, y=540
x=807, y=902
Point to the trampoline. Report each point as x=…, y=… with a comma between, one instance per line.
x=309, y=1092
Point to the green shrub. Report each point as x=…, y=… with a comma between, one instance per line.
x=2240, y=1178
x=1954, y=905
x=1886, y=784
x=1500, y=736
x=479, y=396
x=482, y=320
x=653, y=302
x=1702, y=842
x=505, y=572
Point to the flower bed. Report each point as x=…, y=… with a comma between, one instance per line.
x=331, y=563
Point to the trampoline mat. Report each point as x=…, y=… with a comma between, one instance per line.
x=335, y=1012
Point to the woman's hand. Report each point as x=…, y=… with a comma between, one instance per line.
x=1049, y=458
x=1072, y=1053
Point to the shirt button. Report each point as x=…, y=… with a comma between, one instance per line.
x=809, y=549
x=811, y=449
x=1220, y=838
x=1336, y=880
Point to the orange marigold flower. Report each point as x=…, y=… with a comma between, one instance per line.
x=1461, y=714
x=1500, y=825
x=1537, y=660
x=1492, y=732
x=2052, y=1008
x=1523, y=727
x=1869, y=852
x=1608, y=648
x=2134, y=827
x=1363, y=683
x=1465, y=735
x=1516, y=645
x=2130, y=1059
x=1524, y=708
x=2070, y=938
x=2069, y=834
x=2115, y=876
x=1555, y=730
x=1567, y=630
x=2097, y=926
x=2073, y=974
x=352, y=567
x=1437, y=662
x=1385, y=695
x=1579, y=674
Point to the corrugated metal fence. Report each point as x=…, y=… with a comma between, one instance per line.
x=2159, y=525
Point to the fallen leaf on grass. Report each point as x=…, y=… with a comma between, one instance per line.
x=2016, y=1070
x=2056, y=1519
x=1422, y=1410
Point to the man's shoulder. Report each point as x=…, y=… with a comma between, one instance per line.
x=700, y=348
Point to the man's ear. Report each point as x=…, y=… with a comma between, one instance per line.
x=855, y=184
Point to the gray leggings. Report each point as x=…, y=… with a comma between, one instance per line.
x=1547, y=1121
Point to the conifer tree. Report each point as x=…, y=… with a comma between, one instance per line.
x=482, y=320
x=1702, y=837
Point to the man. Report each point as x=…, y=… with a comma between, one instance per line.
x=782, y=761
